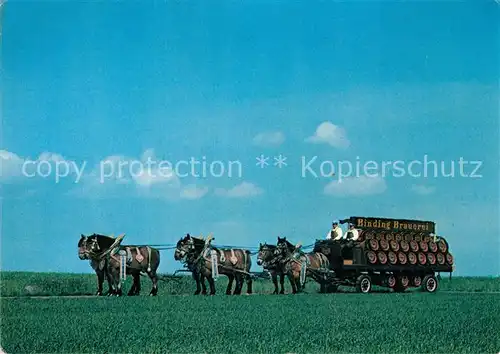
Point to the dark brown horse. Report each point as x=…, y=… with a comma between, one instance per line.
x=99, y=266
x=182, y=254
x=299, y=265
x=267, y=258
x=139, y=259
x=233, y=263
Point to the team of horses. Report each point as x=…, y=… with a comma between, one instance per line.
x=204, y=261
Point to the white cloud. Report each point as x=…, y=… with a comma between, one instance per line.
x=245, y=189
x=153, y=171
x=331, y=134
x=192, y=192
x=356, y=186
x=423, y=190
x=48, y=165
x=267, y=139
x=148, y=177
x=10, y=165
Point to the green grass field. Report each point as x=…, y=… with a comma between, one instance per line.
x=462, y=317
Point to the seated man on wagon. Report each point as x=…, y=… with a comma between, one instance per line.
x=335, y=233
x=351, y=234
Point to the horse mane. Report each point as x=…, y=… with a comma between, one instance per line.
x=103, y=241
x=269, y=246
x=289, y=245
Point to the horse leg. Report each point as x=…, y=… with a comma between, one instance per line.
x=100, y=281
x=111, y=288
x=133, y=288
x=249, y=284
x=239, y=285
x=138, y=284
x=114, y=274
x=296, y=275
x=154, y=279
x=229, y=284
x=282, y=283
x=203, y=285
x=274, y=278
x=118, y=285
x=196, y=278
x=292, y=283
x=212, y=284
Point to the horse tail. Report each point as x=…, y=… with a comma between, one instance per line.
x=247, y=260
x=157, y=263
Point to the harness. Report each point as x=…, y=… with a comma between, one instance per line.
x=304, y=261
x=112, y=249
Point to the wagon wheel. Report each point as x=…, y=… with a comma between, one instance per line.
x=433, y=246
x=440, y=258
x=417, y=281
x=371, y=257
x=391, y=281
x=449, y=258
x=389, y=236
x=405, y=246
x=442, y=246
x=431, y=258
x=430, y=283
x=402, y=258
x=399, y=237
x=384, y=245
x=422, y=259
x=395, y=245
x=404, y=281
x=382, y=258
x=423, y=246
x=363, y=284
x=414, y=245
x=412, y=258
x=393, y=259
x=374, y=244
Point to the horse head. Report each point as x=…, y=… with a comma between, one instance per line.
x=90, y=246
x=82, y=248
x=184, y=246
x=266, y=254
x=283, y=247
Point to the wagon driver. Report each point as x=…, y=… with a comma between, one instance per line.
x=335, y=233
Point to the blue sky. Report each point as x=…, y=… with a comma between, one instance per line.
x=382, y=81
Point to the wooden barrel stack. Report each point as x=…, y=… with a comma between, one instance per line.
x=405, y=248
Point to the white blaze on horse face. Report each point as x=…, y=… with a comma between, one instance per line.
x=259, y=259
